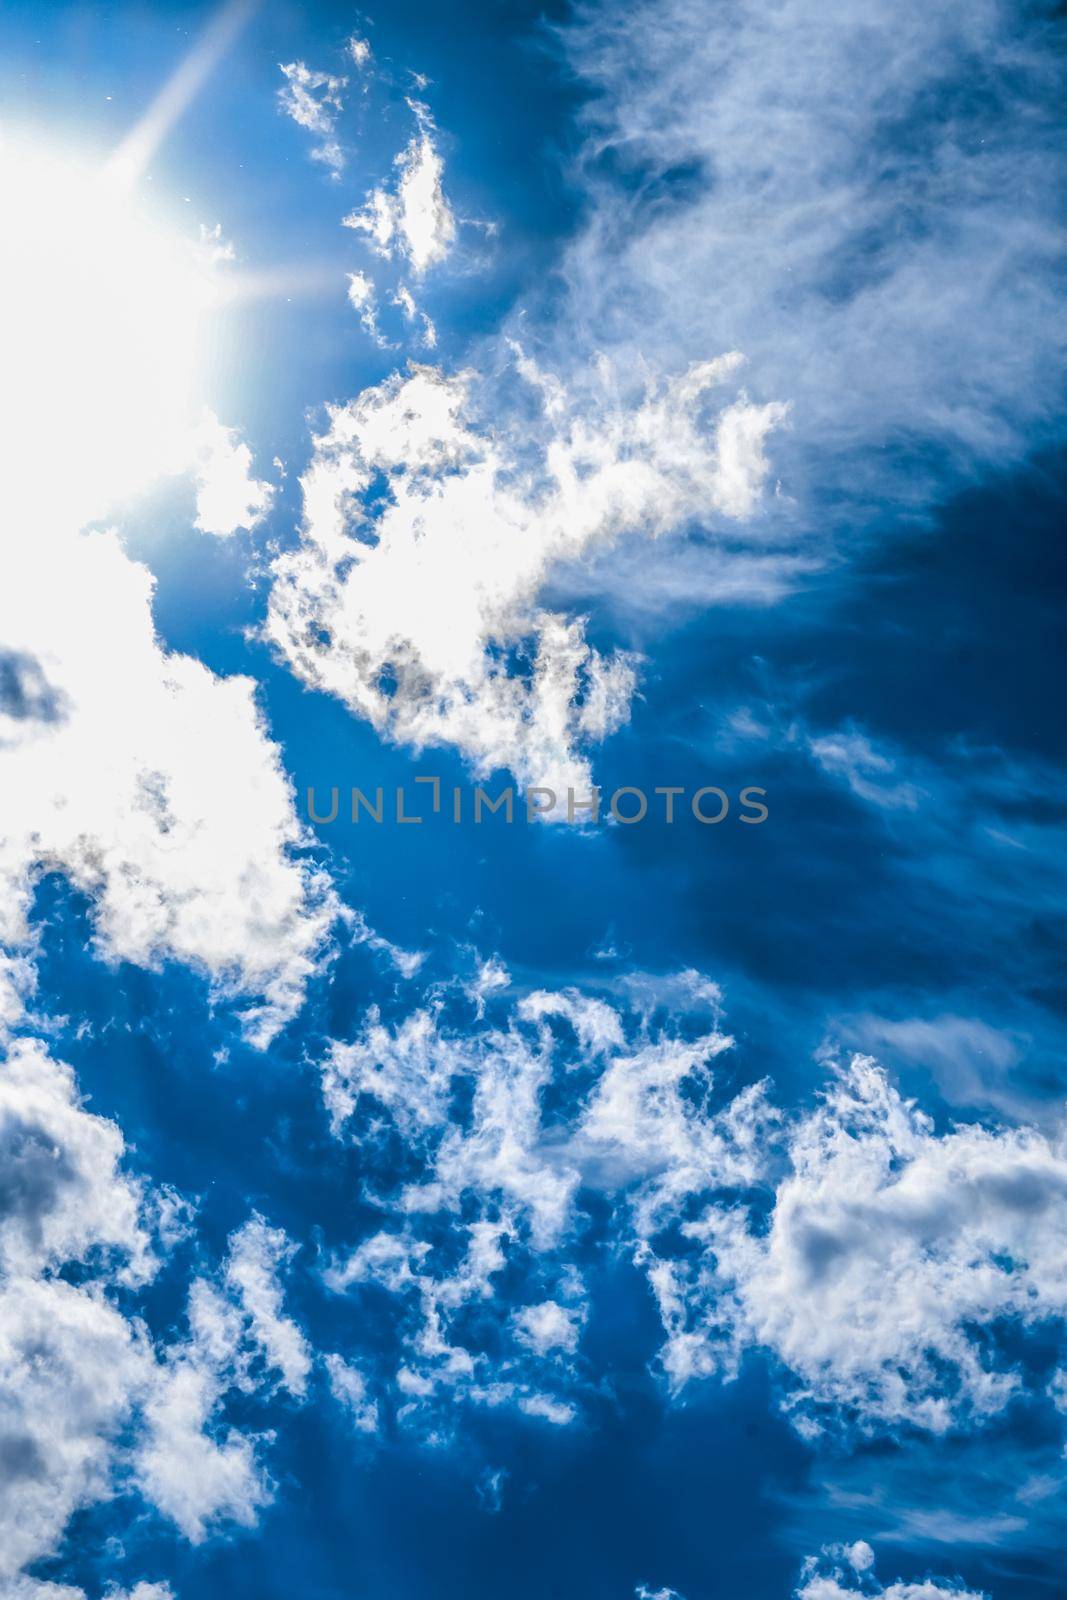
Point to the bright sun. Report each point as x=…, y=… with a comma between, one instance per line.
x=102, y=317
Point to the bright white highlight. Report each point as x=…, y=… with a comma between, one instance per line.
x=101, y=316
x=228, y=497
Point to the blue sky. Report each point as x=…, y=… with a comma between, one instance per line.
x=636, y=397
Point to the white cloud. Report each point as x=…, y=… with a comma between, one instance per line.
x=501, y=1152
x=69, y=1365
x=410, y=615
x=212, y=248
x=849, y=754
x=413, y=219
x=845, y=1572
x=596, y=1023
x=313, y=100
x=875, y=1279
x=62, y=1193
x=228, y=497
x=888, y=1250
x=926, y=1589
x=196, y=1470
x=349, y=1387
x=361, y=298
x=390, y=1259
x=490, y=977
x=257, y=1254
x=762, y=213
x=871, y=770
x=436, y=1363
x=859, y=1555
x=970, y=1061
x=406, y=301
x=78, y=1376
x=194, y=1474
x=557, y=1412
x=151, y=783
x=23, y=1588
x=407, y=1071
x=502, y=1175
x=17, y=982
x=87, y=1397
x=638, y=1121
x=548, y=1326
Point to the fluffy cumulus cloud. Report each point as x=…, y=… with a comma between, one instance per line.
x=62, y=1193
x=313, y=100
x=194, y=1469
x=69, y=1364
x=481, y=1123
x=74, y=1364
x=548, y=1326
x=88, y=1398
x=412, y=219
x=870, y=1255
x=841, y=1572
x=858, y=200
x=423, y=614
x=876, y=1260
x=150, y=783
x=69, y=1359
x=890, y=1257
x=196, y=1473
x=228, y=497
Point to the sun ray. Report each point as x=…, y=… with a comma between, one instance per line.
x=286, y=281
x=135, y=152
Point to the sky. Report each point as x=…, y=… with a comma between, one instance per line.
x=533, y=890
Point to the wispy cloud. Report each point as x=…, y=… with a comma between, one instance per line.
x=861, y=199
x=313, y=100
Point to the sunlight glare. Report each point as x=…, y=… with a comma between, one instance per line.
x=101, y=322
